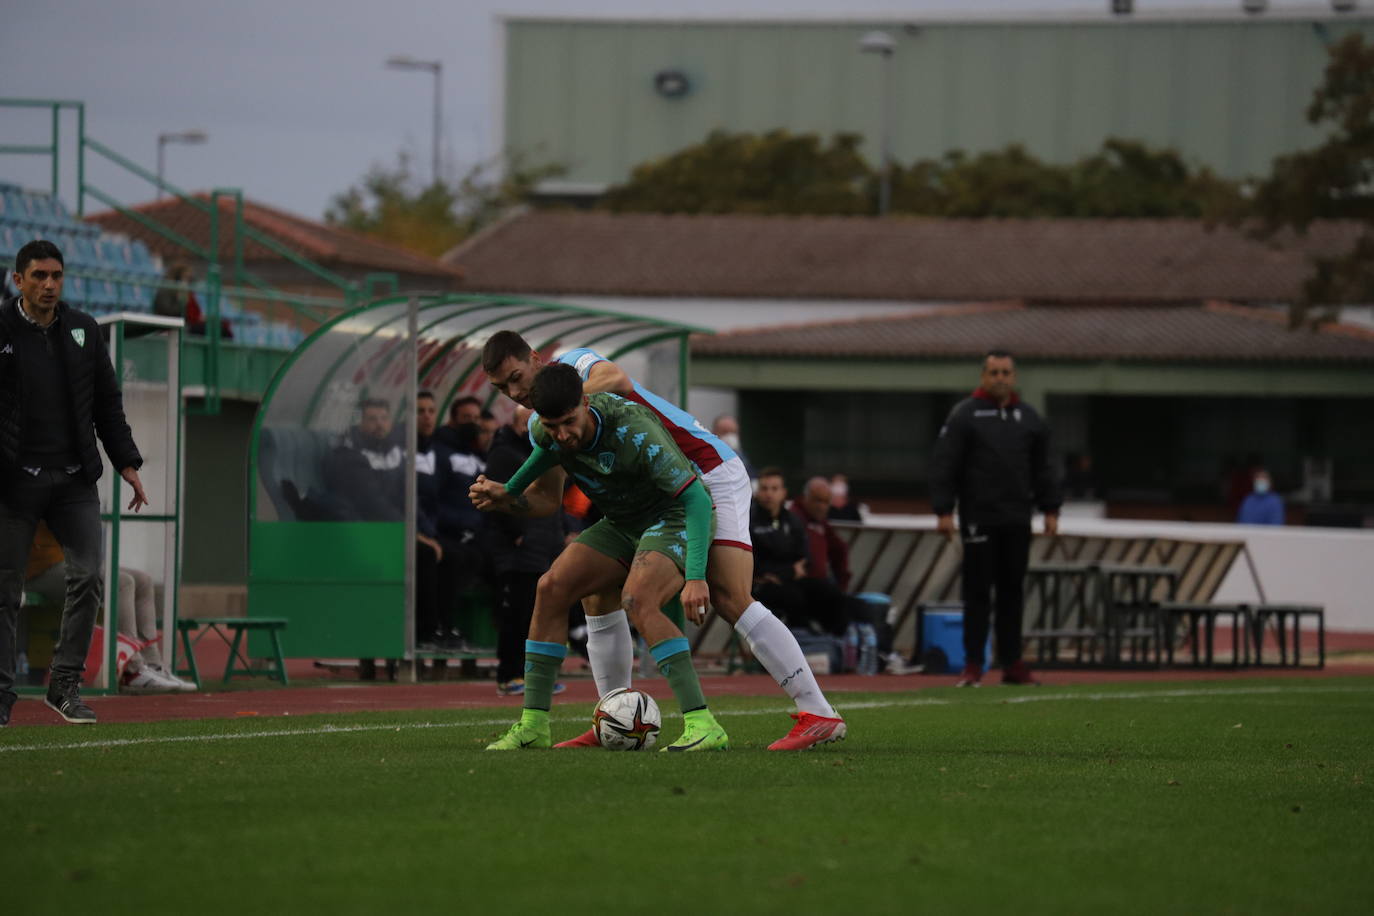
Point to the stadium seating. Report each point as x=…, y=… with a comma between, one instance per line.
x=107, y=272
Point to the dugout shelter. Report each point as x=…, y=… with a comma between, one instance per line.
x=345, y=583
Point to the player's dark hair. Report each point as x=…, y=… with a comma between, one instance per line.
x=772, y=471
x=424, y=393
x=500, y=347
x=37, y=250
x=375, y=402
x=997, y=353
x=557, y=390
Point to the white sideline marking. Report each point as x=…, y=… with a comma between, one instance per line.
x=867, y=704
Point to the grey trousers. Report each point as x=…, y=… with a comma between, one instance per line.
x=71, y=508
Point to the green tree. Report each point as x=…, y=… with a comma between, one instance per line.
x=1334, y=180
x=1128, y=179
x=390, y=204
x=1124, y=180
x=777, y=172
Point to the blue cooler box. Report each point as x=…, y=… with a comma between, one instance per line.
x=944, y=630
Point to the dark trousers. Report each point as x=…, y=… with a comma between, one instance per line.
x=436, y=587
x=995, y=559
x=516, y=595
x=71, y=508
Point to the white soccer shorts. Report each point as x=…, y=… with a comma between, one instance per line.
x=732, y=495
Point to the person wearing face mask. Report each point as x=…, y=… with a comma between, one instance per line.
x=841, y=509
x=726, y=429
x=1262, y=506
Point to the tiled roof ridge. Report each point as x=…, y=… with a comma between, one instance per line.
x=316, y=239
x=308, y=225
x=454, y=254
x=900, y=219
x=1337, y=328
x=970, y=308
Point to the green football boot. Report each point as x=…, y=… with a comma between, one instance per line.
x=701, y=733
x=522, y=736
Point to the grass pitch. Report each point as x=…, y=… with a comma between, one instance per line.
x=1244, y=797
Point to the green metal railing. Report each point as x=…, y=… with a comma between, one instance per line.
x=238, y=232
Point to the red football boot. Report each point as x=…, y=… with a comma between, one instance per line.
x=586, y=739
x=971, y=676
x=810, y=731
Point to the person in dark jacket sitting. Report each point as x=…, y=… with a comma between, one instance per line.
x=366, y=472
x=58, y=394
x=779, y=539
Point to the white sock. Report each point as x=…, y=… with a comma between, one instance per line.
x=610, y=650
x=776, y=649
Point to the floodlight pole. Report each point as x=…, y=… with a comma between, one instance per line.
x=406, y=62
x=879, y=42
x=181, y=136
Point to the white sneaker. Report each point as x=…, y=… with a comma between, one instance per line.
x=182, y=685
x=146, y=680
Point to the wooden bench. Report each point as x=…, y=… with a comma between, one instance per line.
x=238, y=663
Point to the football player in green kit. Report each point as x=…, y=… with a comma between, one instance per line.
x=657, y=523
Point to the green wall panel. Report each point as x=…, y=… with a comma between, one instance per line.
x=332, y=620
x=340, y=584
x=328, y=552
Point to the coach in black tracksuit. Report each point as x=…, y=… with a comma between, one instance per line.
x=58, y=392
x=992, y=458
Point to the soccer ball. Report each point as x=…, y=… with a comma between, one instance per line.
x=626, y=720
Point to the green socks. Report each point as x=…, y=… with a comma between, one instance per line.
x=674, y=659
x=542, y=661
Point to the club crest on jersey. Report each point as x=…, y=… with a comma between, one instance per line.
x=79, y=335
x=605, y=461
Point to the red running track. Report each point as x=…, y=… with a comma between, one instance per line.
x=339, y=696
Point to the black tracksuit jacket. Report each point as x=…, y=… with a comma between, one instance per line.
x=994, y=462
x=96, y=402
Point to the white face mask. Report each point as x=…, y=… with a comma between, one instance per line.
x=1262, y=484
x=731, y=439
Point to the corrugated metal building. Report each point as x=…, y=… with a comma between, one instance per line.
x=602, y=96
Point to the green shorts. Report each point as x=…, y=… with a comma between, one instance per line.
x=667, y=536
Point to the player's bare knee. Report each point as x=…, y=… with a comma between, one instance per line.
x=729, y=603
x=637, y=607
x=553, y=589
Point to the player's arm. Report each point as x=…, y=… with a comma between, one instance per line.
x=607, y=376
x=534, y=491
x=697, y=504
x=946, y=464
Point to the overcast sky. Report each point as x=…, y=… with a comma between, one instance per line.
x=294, y=94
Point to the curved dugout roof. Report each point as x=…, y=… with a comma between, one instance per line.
x=364, y=354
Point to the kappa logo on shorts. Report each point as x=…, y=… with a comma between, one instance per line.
x=605, y=461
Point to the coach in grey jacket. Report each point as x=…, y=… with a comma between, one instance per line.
x=58, y=393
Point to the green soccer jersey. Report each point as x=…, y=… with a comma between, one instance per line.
x=632, y=471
